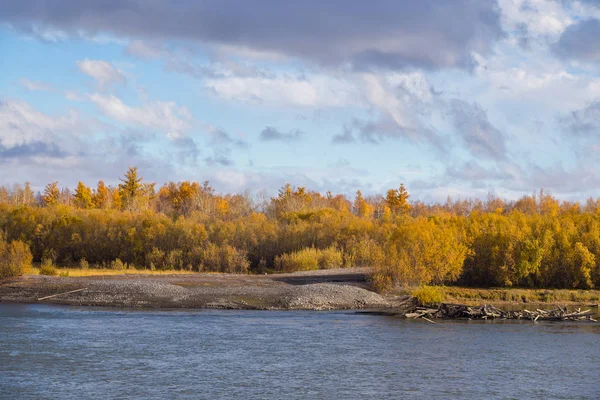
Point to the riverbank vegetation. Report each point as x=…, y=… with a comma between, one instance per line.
x=499, y=296
x=535, y=242
x=15, y=258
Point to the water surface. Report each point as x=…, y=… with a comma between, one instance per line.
x=51, y=352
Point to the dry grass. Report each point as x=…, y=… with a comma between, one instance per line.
x=77, y=272
x=499, y=296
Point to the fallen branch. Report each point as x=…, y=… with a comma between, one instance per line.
x=60, y=294
x=459, y=311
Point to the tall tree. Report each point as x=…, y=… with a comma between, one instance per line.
x=131, y=190
x=361, y=207
x=28, y=195
x=397, y=199
x=102, y=196
x=83, y=196
x=51, y=194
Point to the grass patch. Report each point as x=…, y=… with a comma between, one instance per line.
x=550, y=296
x=500, y=296
x=429, y=295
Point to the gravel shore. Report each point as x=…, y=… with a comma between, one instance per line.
x=313, y=290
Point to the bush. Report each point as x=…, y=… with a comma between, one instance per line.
x=309, y=259
x=306, y=259
x=381, y=281
x=83, y=264
x=15, y=259
x=330, y=257
x=155, y=259
x=48, y=268
x=428, y=295
x=118, y=265
x=364, y=253
x=224, y=258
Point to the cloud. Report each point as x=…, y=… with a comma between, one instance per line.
x=391, y=34
x=271, y=134
x=35, y=86
x=481, y=138
x=473, y=172
x=144, y=50
x=533, y=20
x=219, y=137
x=584, y=122
x=260, y=87
x=22, y=126
x=222, y=143
x=40, y=148
x=103, y=72
x=166, y=117
x=221, y=157
x=345, y=137
x=36, y=148
x=580, y=42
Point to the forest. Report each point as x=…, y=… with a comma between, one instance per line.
x=536, y=241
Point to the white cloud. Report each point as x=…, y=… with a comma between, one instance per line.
x=542, y=18
x=21, y=124
x=35, y=85
x=166, y=117
x=286, y=90
x=145, y=50
x=102, y=72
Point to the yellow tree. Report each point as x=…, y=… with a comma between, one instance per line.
x=116, y=200
x=361, y=207
x=101, y=197
x=51, y=194
x=83, y=196
x=397, y=199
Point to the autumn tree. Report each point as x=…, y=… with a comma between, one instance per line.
x=134, y=194
x=397, y=200
x=51, y=194
x=361, y=207
x=83, y=196
x=101, y=197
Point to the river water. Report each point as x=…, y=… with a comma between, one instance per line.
x=54, y=352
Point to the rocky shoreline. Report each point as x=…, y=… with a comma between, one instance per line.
x=314, y=290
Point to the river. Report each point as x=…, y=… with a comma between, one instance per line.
x=56, y=352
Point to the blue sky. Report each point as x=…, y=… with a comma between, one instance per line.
x=452, y=97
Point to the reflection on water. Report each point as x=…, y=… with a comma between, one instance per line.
x=71, y=353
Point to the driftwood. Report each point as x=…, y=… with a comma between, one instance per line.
x=60, y=294
x=459, y=311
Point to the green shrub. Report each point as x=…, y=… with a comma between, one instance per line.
x=428, y=295
x=15, y=258
x=48, y=268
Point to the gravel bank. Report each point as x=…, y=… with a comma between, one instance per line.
x=314, y=290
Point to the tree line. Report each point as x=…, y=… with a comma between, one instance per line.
x=536, y=241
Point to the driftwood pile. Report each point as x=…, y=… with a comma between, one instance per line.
x=459, y=311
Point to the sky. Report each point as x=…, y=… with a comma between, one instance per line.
x=457, y=98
